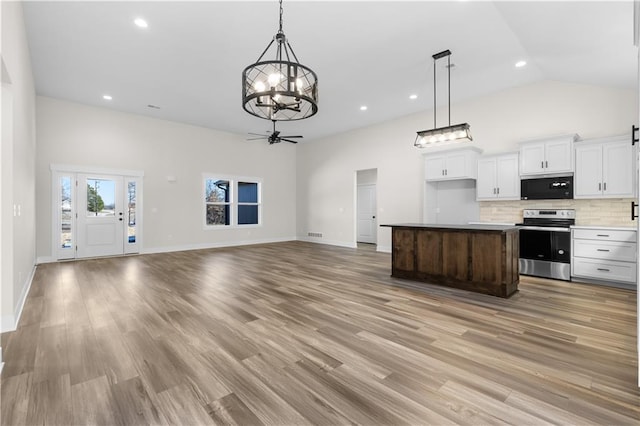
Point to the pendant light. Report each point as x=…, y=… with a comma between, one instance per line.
x=281, y=88
x=448, y=134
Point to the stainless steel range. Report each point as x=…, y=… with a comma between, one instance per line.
x=545, y=243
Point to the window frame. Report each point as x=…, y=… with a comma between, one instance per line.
x=233, y=201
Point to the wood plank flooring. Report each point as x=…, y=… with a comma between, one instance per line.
x=300, y=333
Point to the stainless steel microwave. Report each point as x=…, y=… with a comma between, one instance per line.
x=547, y=188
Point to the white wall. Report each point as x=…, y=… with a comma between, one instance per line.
x=498, y=121
x=18, y=208
x=74, y=134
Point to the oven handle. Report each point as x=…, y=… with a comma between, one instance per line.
x=544, y=228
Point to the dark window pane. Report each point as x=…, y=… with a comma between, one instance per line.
x=247, y=215
x=217, y=191
x=247, y=192
x=218, y=214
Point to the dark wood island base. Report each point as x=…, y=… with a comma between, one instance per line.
x=479, y=258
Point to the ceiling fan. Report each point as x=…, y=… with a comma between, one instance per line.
x=275, y=136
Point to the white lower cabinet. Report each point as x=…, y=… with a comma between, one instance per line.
x=604, y=255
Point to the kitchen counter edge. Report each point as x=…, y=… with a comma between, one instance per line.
x=608, y=228
x=469, y=227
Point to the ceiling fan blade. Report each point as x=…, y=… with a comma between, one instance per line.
x=255, y=139
x=259, y=134
x=288, y=140
x=297, y=136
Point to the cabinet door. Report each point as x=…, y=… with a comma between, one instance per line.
x=558, y=156
x=486, y=183
x=532, y=158
x=508, y=177
x=455, y=166
x=617, y=169
x=434, y=168
x=588, y=176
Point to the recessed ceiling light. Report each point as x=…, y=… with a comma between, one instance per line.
x=413, y=96
x=141, y=23
x=107, y=97
x=363, y=108
x=521, y=64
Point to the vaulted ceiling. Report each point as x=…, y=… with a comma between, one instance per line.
x=188, y=62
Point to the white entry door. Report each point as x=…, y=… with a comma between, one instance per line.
x=367, y=230
x=101, y=216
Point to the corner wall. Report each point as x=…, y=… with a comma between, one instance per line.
x=80, y=135
x=18, y=208
x=498, y=121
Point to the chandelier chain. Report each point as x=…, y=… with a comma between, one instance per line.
x=280, y=17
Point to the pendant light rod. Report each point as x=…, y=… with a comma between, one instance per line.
x=449, y=133
x=440, y=55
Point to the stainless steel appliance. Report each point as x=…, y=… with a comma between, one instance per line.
x=545, y=243
x=547, y=188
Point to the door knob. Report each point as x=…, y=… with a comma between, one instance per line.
x=373, y=217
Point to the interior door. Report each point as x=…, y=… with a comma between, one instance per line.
x=367, y=230
x=100, y=215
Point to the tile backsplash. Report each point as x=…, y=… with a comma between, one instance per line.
x=601, y=212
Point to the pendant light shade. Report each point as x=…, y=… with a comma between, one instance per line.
x=450, y=133
x=281, y=88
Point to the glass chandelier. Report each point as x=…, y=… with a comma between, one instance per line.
x=282, y=88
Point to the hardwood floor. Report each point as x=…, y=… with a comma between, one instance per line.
x=300, y=333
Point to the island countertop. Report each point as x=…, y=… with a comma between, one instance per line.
x=468, y=227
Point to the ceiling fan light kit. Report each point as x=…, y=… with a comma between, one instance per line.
x=280, y=89
x=450, y=133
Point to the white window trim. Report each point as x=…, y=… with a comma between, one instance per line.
x=233, y=201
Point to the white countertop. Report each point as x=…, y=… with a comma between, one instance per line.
x=608, y=228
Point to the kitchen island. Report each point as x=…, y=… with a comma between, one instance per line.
x=482, y=258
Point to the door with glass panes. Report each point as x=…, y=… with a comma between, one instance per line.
x=97, y=215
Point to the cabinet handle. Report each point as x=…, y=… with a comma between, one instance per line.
x=633, y=210
x=602, y=235
x=546, y=164
x=602, y=250
x=446, y=172
x=494, y=190
x=604, y=186
x=604, y=270
x=542, y=164
x=498, y=190
x=599, y=187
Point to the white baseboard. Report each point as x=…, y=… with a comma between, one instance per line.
x=10, y=322
x=45, y=259
x=384, y=249
x=202, y=246
x=328, y=242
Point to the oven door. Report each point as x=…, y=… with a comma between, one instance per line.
x=535, y=244
x=545, y=252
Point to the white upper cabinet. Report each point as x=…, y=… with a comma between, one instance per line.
x=498, y=178
x=604, y=168
x=547, y=156
x=458, y=163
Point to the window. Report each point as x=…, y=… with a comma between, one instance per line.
x=231, y=202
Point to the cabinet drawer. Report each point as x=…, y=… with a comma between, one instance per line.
x=609, y=250
x=605, y=235
x=604, y=270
